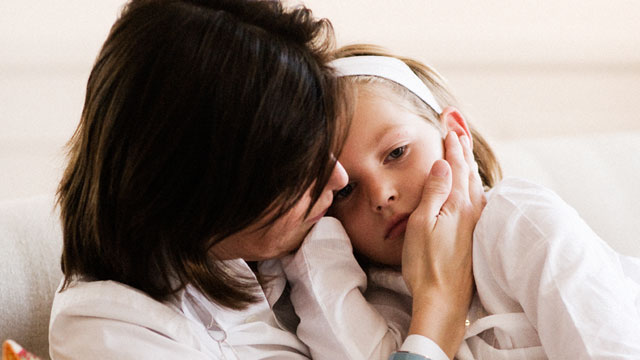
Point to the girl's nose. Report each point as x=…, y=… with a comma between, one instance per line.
x=382, y=195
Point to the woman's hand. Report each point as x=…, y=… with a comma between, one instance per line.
x=436, y=259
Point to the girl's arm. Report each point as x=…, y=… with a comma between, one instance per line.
x=327, y=286
x=533, y=252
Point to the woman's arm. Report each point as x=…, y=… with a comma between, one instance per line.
x=437, y=249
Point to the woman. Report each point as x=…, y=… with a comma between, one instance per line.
x=206, y=147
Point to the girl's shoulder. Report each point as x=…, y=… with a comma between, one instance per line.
x=517, y=193
x=516, y=202
x=519, y=188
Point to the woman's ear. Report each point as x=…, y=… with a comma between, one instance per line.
x=452, y=120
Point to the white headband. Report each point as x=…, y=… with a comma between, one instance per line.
x=389, y=68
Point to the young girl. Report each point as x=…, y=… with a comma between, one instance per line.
x=547, y=286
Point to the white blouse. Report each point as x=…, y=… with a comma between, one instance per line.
x=109, y=320
x=548, y=287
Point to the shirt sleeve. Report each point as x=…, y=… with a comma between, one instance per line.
x=418, y=344
x=327, y=285
x=336, y=320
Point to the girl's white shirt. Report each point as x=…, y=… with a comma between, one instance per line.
x=547, y=287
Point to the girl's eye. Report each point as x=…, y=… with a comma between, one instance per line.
x=397, y=152
x=344, y=192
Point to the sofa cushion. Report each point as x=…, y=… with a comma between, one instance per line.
x=30, y=248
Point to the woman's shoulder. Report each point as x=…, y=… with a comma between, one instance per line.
x=93, y=307
x=111, y=300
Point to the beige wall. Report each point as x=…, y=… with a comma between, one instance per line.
x=522, y=68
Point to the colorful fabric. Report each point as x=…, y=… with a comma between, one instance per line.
x=12, y=351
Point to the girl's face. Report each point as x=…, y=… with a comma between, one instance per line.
x=388, y=154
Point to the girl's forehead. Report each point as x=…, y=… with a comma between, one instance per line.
x=379, y=88
x=378, y=122
x=389, y=91
x=374, y=110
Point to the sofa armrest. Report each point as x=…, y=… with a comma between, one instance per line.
x=30, y=243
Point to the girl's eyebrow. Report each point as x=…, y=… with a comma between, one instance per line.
x=390, y=131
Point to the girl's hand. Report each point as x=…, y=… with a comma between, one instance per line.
x=436, y=259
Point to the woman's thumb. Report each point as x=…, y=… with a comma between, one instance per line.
x=436, y=189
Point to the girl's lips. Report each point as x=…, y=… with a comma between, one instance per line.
x=397, y=227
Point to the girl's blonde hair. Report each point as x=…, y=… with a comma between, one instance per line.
x=488, y=166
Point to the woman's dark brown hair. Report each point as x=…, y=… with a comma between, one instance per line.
x=200, y=117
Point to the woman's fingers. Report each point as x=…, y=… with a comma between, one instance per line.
x=435, y=193
x=454, y=155
x=476, y=188
x=422, y=223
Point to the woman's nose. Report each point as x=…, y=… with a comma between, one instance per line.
x=339, y=178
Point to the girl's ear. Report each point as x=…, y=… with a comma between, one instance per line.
x=452, y=120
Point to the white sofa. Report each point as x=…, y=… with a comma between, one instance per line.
x=599, y=175
x=31, y=243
